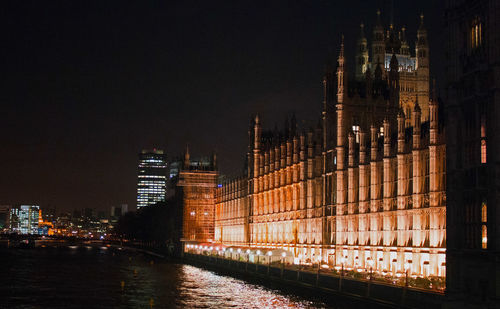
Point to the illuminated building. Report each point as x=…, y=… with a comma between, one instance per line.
x=4, y=217
x=196, y=191
x=24, y=219
x=232, y=212
x=366, y=187
x=472, y=137
x=151, y=183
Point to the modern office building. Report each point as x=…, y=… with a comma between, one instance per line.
x=473, y=140
x=25, y=219
x=151, y=182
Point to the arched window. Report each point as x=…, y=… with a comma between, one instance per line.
x=483, y=140
x=476, y=37
x=484, y=237
x=484, y=213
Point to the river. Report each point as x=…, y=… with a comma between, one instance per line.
x=101, y=277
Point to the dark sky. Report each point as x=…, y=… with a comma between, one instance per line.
x=88, y=84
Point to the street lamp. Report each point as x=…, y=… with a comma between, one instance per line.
x=342, y=261
x=370, y=263
x=407, y=269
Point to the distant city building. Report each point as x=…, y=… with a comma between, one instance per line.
x=117, y=211
x=24, y=219
x=151, y=182
x=196, y=189
x=4, y=217
x=173, y=168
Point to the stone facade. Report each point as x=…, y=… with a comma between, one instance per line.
x=366, y=187
x=472, y=99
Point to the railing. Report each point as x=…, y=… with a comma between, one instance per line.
x=396, y=278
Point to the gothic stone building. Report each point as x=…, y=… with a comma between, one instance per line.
x=473, y=137
x=366, y=187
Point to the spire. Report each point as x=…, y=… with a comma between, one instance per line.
x=361, y=54
x=421, y=32
x=394, y=63
x=394, y=81
x=362, y=31
x=379, y=21
x=341, y=54
x=378, y=44
x=341, y=73
x=186, y=157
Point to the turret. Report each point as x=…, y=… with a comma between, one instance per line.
x=378, y=44
x=387, y=138
x=257, y=133
x=186, y=158
x=361, y=55
x=351, y=149
x=405, y=48
x=341, y=75
x=422, y=67
x=394, y=82
x=421, y=46
x=302, y=146
x=416, y=126
x=363, y=158
x=296, y=151
x=401, y=131
x=256, y=148
x=374, y=142
x=433, y=115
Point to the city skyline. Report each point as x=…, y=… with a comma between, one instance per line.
x=97, y=79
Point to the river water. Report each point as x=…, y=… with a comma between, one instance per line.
x=101, y=277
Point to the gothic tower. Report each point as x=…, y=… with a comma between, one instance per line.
x=422, y=66
x=361, y=55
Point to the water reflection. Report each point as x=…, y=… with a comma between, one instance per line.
x=203, y=289
x=94, y=278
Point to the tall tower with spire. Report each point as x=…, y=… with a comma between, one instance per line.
x=378, y=44
x=422, y=67
x=361, y=54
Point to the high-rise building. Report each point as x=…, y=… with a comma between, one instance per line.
x=151, y=183
x=24, y=219
x=473, y=141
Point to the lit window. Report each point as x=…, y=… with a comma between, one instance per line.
x=476, y=38
x=483, y=151
x=381, y=131
x=484, y=237
x=483, y=140
x=484, y=213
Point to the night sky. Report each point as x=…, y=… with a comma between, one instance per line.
x=88, y=84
